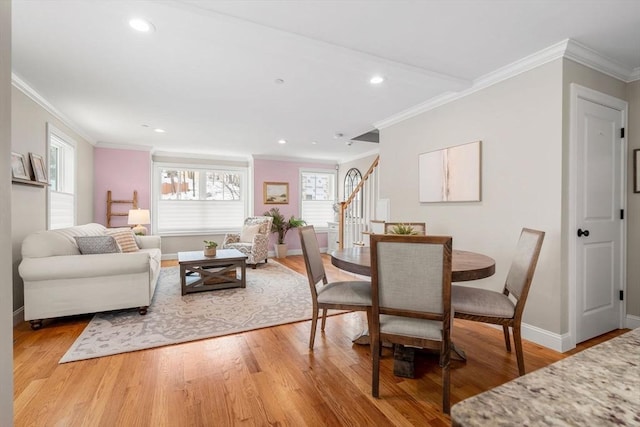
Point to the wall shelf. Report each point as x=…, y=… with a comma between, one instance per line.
x=28, y=182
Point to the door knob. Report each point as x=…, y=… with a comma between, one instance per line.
x=584, y=233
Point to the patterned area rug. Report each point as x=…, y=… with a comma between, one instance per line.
x=274, y=295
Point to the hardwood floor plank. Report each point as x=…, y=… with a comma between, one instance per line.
x=263, y=377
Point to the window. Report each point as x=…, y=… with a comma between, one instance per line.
x=318, y=195
x=62, y=188
x=351, y=181
x=198, y=199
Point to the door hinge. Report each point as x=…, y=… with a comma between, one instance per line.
x=621, y=213
x=621, y=295
x=622, y=133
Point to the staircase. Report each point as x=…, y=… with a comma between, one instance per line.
x=357, y=212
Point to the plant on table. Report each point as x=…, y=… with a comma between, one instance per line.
x=403, y=229
x=210, y=248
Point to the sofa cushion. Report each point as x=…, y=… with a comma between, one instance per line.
x=249, y=232
x=89, y=245
x=125, y=238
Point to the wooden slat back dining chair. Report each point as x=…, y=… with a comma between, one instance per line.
x=345, y=295
x=419, y=228
x=504, y=308
x=411, y=295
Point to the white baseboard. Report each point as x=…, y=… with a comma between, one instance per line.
x=542, y=337
x=18, y=316
x=557, y=342
x=632, y=322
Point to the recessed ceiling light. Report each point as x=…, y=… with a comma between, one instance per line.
x=314, y=142
x=141, y=25
x=338, y=135
x=158, y=130
x=278, y=81
x=376, y=80
x=282, y=141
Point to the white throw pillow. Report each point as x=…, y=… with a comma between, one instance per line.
x=248, y=232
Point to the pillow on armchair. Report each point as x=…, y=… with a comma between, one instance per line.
x=249, y=232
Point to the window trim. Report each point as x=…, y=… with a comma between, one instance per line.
x=65, y=138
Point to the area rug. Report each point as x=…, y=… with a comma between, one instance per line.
x=274, y=295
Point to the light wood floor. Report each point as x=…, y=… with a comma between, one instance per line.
x=259, y=378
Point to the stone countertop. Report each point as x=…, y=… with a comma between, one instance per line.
x=599, y=386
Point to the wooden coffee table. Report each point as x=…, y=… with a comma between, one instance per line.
x=200, y=273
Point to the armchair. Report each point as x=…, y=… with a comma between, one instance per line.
x=253, y=240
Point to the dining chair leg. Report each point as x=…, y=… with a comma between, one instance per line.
x=324, y=319
x=314, y=324
x=507, y=339
x=517, y=341
x=446, y=382
x=375, y=370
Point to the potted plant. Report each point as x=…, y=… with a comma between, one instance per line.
x=210, y=248
x=403, y=229
x=281, y=225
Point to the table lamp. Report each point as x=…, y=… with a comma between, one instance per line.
x=138, y=217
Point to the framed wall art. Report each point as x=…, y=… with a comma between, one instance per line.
x=276, y=193
x=39, y=169
x=451, y=174
x=19, y=166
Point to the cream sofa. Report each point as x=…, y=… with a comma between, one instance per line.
x=60, y=281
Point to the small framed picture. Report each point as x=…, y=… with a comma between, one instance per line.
x=39, y=170
x=276, y=193
x=19, y=166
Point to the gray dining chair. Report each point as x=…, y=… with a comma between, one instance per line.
x=504, y=308
x=411, y=296
x=344, y=295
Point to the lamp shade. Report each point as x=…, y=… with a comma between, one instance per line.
x=139, y=216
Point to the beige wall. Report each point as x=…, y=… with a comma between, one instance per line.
x=29, y=204
x=6, y=311
x=519, y=122
x=633, y=205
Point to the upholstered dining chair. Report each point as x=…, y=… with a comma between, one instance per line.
x=419, y=228
x=345, y=295
x=253, y=239
x=411, y=298
x=504, y=308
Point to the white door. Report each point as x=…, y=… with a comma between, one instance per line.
x=599, y=232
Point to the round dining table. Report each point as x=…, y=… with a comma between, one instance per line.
x=465, y=265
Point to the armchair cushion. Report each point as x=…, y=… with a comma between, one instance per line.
x=249, y=232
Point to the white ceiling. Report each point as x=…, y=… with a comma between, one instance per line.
x=207, y=74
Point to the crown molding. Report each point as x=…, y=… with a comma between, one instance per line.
x=25, y=88
x=132, y=147
x=568, y=48
x=586, y=56
x=293, y=159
